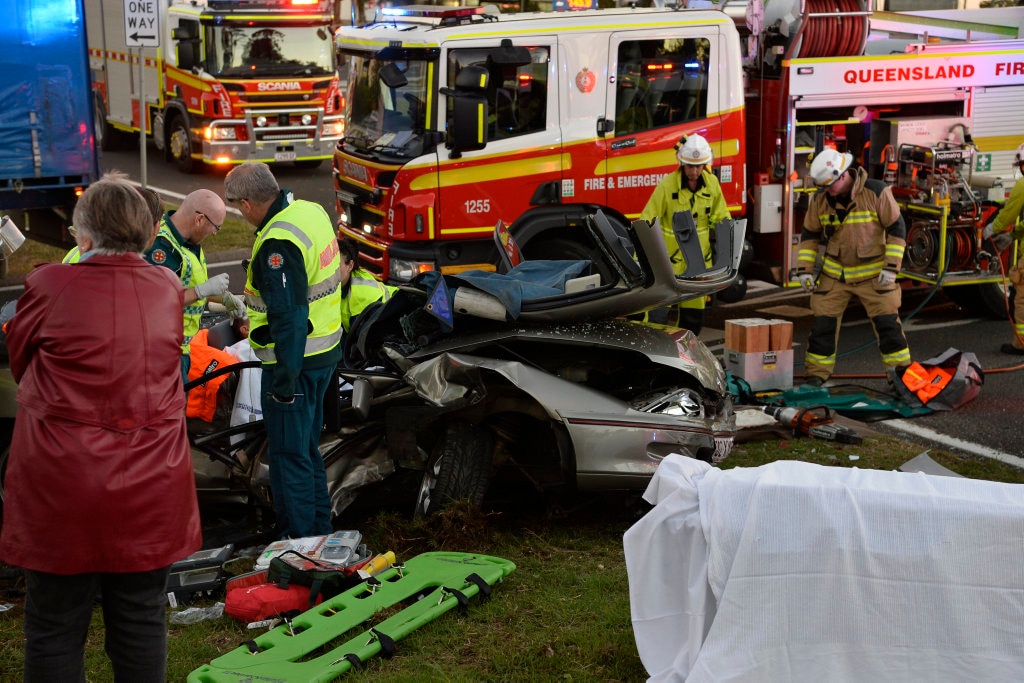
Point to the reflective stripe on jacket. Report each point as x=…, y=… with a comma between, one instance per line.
x=307, y=226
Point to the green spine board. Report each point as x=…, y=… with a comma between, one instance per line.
x=279, y=651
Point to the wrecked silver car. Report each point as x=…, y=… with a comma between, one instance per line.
x=458, y=387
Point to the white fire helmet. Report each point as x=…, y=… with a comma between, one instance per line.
x=1019, y=159
x=694, y=152
x=828, y=165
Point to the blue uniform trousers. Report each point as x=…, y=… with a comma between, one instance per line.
x=298, y=481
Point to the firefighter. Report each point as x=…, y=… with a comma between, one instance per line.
x=859, y=223
x=694, y=188
x=1007, y=226
x=359, y=288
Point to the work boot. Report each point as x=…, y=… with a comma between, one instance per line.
x=813, y=381
x=1011, y=349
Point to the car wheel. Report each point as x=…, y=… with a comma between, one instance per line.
x=460, y=469
x=180, y=145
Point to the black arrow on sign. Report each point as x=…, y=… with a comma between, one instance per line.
x=136, y=37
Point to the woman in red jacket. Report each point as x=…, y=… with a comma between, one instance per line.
x=100, y=491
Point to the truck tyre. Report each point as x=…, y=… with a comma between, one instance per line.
x=987, y=299
x=560, y=248
x=179, y=144
x=108, y=138
x=734, y=292
x=460, y=470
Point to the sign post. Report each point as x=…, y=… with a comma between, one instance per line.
x=142, y=29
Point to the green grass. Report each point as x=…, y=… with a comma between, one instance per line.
x=562, y=615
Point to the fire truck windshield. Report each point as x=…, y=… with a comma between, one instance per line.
x=238, y=51
x=383, y=119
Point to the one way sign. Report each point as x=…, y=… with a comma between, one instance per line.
x=141, y=23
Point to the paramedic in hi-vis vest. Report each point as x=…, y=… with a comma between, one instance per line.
x=1007, y=226
x=178, y=246
x=858, y=221
x=359, y=288
x=292, y=292
x=693, y=188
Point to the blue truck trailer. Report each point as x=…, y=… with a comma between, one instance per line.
x=48, y=153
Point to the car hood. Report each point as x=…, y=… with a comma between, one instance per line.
x=672, y=347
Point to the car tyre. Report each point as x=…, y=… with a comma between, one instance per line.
x=460, y=469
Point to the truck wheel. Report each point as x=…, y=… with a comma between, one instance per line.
x=180, y=145
x=108, y=138
x=460, y=469
x=561, y=248
x=987, y=299
x=734, y=292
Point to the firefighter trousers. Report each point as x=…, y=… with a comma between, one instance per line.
x=829, y=302
x=1016, y=277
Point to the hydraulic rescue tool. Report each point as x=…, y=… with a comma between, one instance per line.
x=810, y=422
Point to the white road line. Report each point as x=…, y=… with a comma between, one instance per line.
x=953, y=442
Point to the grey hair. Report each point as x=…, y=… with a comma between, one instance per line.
x=114, y=216
x=252, y=180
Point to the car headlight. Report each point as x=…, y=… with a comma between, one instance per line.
x=404, y=270
x=681, y=403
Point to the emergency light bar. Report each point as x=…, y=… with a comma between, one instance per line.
x=432, y=12
x=270, y=5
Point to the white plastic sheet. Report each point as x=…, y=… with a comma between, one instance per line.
x=800, y=572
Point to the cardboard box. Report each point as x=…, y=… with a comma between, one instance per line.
x=762, y=370
x=780, y=335
x=747, y=334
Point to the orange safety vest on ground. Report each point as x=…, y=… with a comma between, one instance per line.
x=202, y=399
x=926, y=383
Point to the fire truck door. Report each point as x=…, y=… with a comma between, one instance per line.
x=661, y=88
x=521, y=155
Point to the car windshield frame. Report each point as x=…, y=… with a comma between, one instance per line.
x=261, y=51
x=382, y=120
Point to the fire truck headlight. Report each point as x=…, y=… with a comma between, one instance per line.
x=221, y=133
x=307, y=119
x=404, y=270
x=261, y=121
x=333, y=129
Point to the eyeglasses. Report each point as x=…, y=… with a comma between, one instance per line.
x=216, y=228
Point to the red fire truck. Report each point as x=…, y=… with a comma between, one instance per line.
x=222, y=82
x=459, y=117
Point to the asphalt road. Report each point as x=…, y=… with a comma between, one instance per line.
x=990, y=425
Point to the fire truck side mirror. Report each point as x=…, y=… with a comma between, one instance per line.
x=509, y=55
x=467, y=126
x=393, y=76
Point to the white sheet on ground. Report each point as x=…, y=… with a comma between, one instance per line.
x=799, y=572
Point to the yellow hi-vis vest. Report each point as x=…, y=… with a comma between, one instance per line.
x=193, y=272
x=363, y=290
x=307, y=226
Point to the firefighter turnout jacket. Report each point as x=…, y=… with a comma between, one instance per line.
x=860, y=238
x=707, y=206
